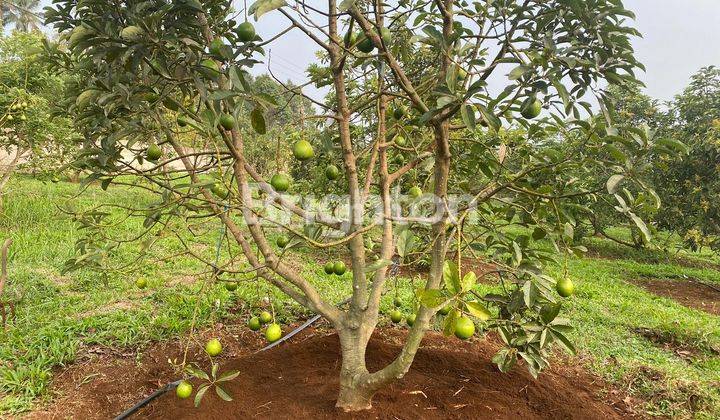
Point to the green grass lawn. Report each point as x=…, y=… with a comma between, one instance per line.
x=60, y=314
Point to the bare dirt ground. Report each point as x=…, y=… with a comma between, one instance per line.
x=689, y=293
x=299, y=379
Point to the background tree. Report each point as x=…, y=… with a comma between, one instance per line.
x=21, y=14
x=689, y=188
x=29, y=134
x=144, y=62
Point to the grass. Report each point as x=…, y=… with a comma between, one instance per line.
x=60, y=315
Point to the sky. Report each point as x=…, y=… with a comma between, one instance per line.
x=679, y=38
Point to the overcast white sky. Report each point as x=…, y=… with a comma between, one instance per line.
x=679, y=37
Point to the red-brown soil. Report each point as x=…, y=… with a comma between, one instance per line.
x=299, y=379
x=688, y=293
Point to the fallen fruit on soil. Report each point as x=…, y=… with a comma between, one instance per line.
x=332, y=172
x=531, y=108
x=339, y=268
x=265, y=317
x=153, y=152
x=254, y=323
x=411, y=319
x=464, y=328
x=329, y=268
x=213, y=347
x=184, y=389
x=415, y=192
x=273, y=333
x=565, y=287
x=227, y=121
x=396, y=316
x=280, y=182
x=141, y=283
x=303, y=150
x=282, y=241
x=231, y=286
x=246, y=32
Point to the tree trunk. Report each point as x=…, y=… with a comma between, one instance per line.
x=353, y=396
x=355, y=391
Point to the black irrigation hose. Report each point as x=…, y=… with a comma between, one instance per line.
x=172, y=385
x=127, y=413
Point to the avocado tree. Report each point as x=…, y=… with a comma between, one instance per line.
x=689, y=187
x=29, y=134
x=445, y=97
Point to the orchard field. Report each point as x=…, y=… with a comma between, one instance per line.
x=408, y=209
x=655, y=355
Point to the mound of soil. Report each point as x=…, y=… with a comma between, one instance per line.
x=299, y=379
x=693, y=294
x=449, y=379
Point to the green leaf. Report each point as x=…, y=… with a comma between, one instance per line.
x=222, y=394
x=489, y=117
x=616, y=153
x=518, y=72
x=468, y=281
x=564, y=95
x=228, y=376
x=518, y=252
x=549, y=312
x=261, y=7
x=478, y=310
x=197, y=372
x=641, y=225
x=405, y=242
x=200, y=394
x=257, y=120
x=345, y=5
x=563, y=340
x=449, y=327
x=539, y=233
x=430, y=298
x=221, y=94
x=376, y=266
x=505, y=359
x=674, y=144
x=614, y=182
x=530, y=293
x=468, y=116
x=451, y=275
x=194, y=4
